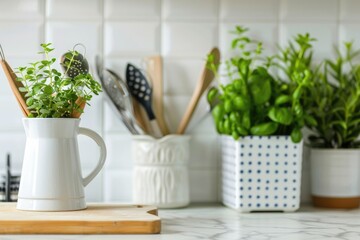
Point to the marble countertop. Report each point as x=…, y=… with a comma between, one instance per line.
x=218, y=222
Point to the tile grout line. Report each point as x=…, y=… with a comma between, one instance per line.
x=218, y=149
x=44, y=3
x=338, y=23
x=103, y=133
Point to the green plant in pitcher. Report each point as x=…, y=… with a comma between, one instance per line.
x=51, y=94
x=256, y=102
x=334, y=101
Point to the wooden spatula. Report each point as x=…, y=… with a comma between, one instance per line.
x=14, y=84
x=154, y=69
x=203, y=83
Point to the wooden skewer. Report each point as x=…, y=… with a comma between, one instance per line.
x=203, y=83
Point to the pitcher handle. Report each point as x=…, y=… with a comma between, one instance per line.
x=96, y=137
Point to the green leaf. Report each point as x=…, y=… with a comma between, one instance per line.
x=310, y=120
x=281, y=115
x=228, y=106
x=282, y=99
x=218, y=112
x=246, y=120
x=296, y=135
x=22, y=89
x=264, y=129
x=211, y=96
x=241, y=103
x=260, y=88
x=48, y=90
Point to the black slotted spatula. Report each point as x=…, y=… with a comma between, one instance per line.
x=142, y=92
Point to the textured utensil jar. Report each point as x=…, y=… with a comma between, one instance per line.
x=161, y=175
x=261, y=173
x=51, y=178
x=335, y=178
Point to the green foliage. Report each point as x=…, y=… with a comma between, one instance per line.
x=256, y=102
x=49, y=93
x=334, y=102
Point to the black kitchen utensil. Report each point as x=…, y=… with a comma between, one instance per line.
x=8, y=180
x=142, y=92
x=74, y=63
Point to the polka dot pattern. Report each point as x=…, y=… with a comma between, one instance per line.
x=266, y=171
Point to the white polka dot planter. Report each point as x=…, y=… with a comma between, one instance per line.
x=261, y=173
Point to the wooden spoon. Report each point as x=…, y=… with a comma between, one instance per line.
x=14, y=84
x=203, y=83
x=154, y=69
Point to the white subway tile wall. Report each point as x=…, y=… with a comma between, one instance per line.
x=182, y=31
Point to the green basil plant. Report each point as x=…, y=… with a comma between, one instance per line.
x=256, y=101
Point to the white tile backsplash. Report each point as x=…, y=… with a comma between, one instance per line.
x=309, y=10
x=190, y=40
x=132, y=9
x=183, y=31
x=73, y=10
x=21, y=38
x=258, y=10
x=325, y=33
x=350, y=32
x=268, y=32
x=118, y=186
x=181, y=75
x=131, y=38
x=119, y=152
x=349, y=10
x=64, y=36
x=190, y=9
x=21, y=9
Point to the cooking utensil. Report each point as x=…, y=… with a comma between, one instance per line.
x=209, y=109
x=74, y=65
x=14, y=84
x=142, y=92
x=203, y=83
x=118, y=96
x=154, y=69
x=128, y=102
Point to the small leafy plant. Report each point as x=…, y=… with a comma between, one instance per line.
x=334, y=101
x=49, y=93
x=255, y=102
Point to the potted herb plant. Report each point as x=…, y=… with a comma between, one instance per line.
x=261, y=162
x=51, y=178
x=334, y=101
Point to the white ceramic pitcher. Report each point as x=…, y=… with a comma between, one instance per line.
x=51, y=178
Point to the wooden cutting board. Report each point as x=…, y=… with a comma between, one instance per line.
x=96, y=219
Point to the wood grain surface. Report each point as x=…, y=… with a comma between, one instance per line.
x=96, y=219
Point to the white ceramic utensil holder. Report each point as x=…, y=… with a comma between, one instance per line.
x=161, y=175
x=51, y=178
x=261, y=173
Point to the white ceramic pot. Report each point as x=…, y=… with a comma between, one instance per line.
x=261, y=173
x=335, y=174
x=161, y=175
x=51, y=178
